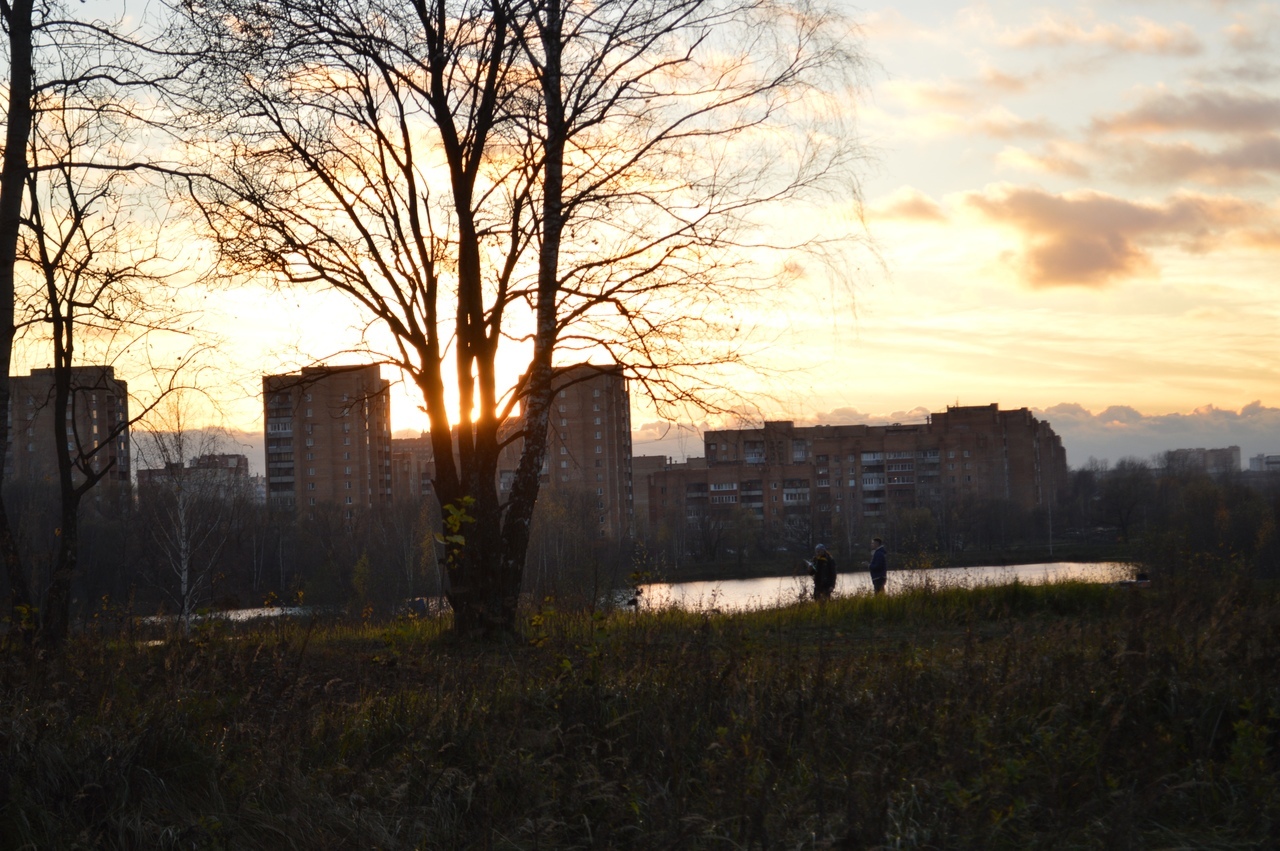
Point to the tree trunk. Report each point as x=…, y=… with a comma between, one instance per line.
x=13, y=181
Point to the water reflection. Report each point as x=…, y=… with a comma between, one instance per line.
x=731, y=595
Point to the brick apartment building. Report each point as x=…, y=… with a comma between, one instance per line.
x=808, y=482
x=588, y=446
x=413, y=467
x=99, y=402
x=328, y=434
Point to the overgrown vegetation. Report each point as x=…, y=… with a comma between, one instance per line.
x=1053, y=716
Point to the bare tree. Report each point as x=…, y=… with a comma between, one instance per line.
x=88, y=231
x=570, y=179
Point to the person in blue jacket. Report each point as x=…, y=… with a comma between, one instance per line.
x=879, y=566
x=824, y=573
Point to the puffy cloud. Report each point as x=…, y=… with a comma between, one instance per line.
x=1205, y=111
x=907, y=204
x=1143, y=36
x=1093, y=239
x=1120, y=431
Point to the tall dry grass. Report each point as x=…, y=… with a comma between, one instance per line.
x=997, y=717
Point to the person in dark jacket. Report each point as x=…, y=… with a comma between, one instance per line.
x=879, y=566
x=823, y=569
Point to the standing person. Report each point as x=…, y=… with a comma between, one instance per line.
x=879, y=566
x=824, y=573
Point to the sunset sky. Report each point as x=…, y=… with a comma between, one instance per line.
x=1076, y=209
x=1073, y=209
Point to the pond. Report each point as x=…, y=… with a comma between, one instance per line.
x=770, y=591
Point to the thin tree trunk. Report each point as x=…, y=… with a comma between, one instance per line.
x=13, y=181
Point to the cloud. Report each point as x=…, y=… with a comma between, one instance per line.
x=1204, y=111
x=1252, y=31
x=1245, y=163
x=1121, y=431
x=1055, y=160
x=1256, y=71
x=1093, y=239
x=908, y=204
x=1143, y=36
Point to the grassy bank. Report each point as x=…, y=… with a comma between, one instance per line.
x=1049, y=716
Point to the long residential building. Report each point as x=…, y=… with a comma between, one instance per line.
x=328, y=433
x=805, y=481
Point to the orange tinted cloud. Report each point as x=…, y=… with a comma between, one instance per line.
x=1092, y=239
x=908, y=204
x=1143, y=36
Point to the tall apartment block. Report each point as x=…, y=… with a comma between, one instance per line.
x=804, y=478
x=412, y=467
x=99, y=403
x=588, y=445
x=328, y=432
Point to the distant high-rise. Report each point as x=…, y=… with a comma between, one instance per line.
x=97, y=426
x=328, y=432
x=588, y=445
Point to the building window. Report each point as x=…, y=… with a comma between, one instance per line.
x=564, y=478
x=311, y=486
x=562, y=408
x=599, y=463
x=599, y=477
x=311, y=441
x=599, y=491
x=348, y=503
x=307, y=397
x=346, y=441
x=308, y=412
x=346, y=456
x=966, y=453
x=595, y=407
x=311, y=456
x=347, y=471
x=564, y=450
x=597, y=435
x=599, y=450
x=597, y=421
x=311, y=471
x=563, y=421
x=311, y=501
x=596, y=392
x=564, y=465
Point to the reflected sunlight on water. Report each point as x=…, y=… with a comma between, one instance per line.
x=771, y=591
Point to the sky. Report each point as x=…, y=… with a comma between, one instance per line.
x=1069, y=207
x=1075, y=210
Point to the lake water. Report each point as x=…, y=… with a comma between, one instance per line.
x=771, y=591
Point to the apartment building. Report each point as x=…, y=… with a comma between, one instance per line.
x=805, y=480
x=1212, y=461
x=96, y=427
x=219, y=475
x=412, y=467
x=588, y=446
x=328, y=434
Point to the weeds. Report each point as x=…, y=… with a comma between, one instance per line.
x=1017, y=716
